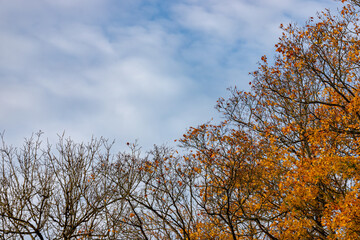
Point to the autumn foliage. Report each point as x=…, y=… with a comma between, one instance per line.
x=283, y=164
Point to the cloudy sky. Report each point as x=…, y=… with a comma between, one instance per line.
x=130, y=69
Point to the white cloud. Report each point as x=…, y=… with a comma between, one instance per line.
x=15, y=99
x=125, y=70
x=16, y=51
x=255, y=20
x=79, y=40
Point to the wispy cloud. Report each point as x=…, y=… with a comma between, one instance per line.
x=129, y=69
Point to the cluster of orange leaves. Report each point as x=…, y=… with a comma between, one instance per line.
x=286, y=162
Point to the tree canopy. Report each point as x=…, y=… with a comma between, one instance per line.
x=283, y=164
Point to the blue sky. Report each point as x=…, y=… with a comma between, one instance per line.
x=130, y=69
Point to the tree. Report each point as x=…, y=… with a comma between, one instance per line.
x=285, y=162
x=164, y=205
x=63, y=195
x=84, y=191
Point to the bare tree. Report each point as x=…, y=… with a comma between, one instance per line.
x=62, y=194
x=159, y=204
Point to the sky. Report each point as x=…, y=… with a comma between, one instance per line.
x=130, y=70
